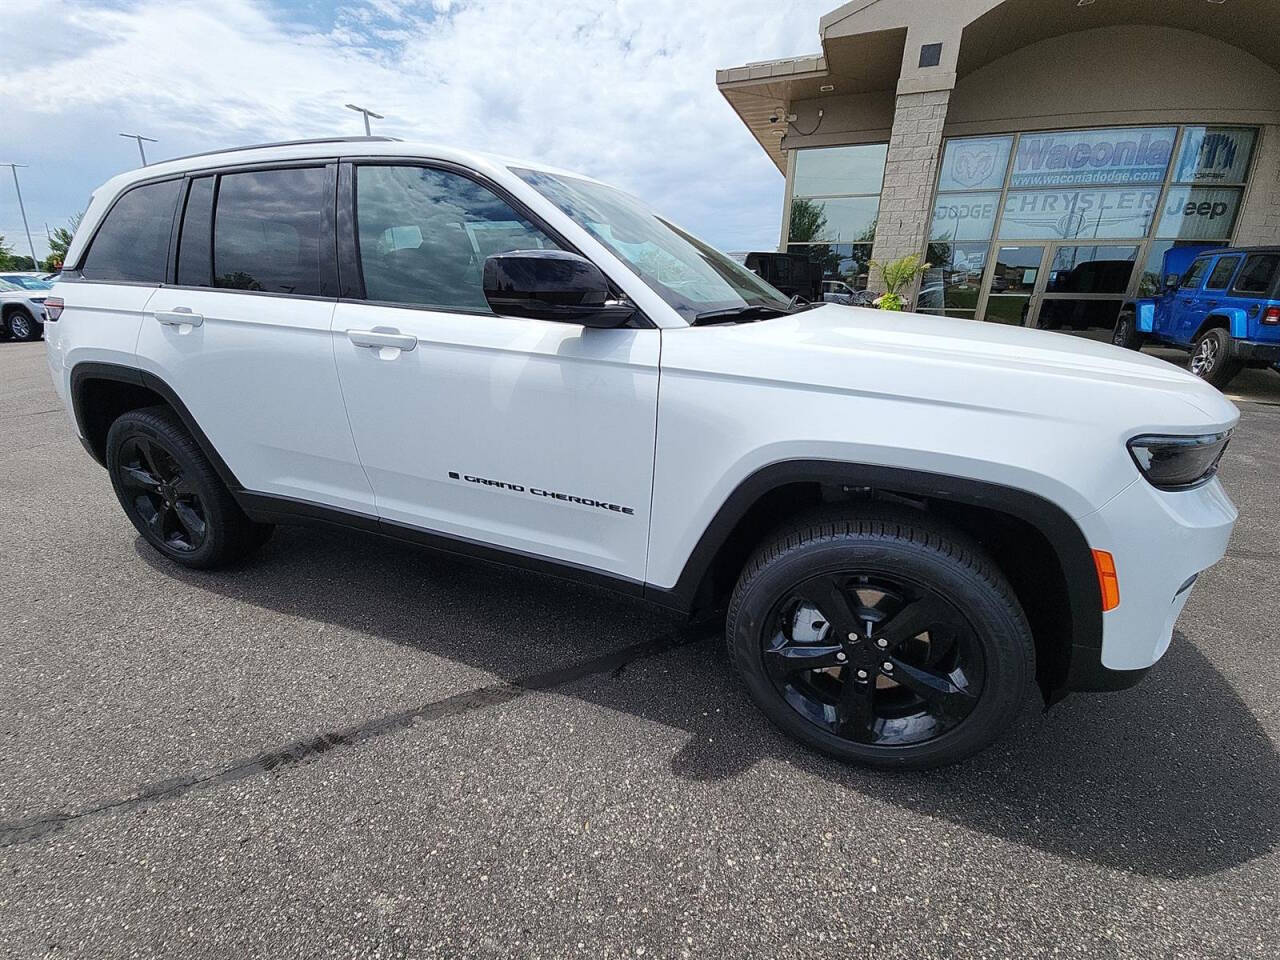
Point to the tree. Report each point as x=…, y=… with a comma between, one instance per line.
x=808, y=220
x=60, y=241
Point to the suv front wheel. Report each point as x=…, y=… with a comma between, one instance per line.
x=172, y=494
x=22, y=326
x=882, y=637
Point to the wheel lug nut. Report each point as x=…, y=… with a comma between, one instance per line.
x=853, y=638
x=888, y=666
x=882, y=643
x=862, y=674
x=842, y=656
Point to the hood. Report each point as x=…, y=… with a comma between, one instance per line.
x=956, y=362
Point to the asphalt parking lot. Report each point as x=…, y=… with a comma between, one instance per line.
x=349, y=748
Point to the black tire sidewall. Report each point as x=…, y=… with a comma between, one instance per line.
x=1002, y=633
x=220, y=526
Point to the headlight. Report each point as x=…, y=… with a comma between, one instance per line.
x=1179, y=463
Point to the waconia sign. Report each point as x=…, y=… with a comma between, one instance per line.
x=1083, y=157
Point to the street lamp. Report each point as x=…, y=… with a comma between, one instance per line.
x=367, y=115
x=35, y=264
x=139, y=137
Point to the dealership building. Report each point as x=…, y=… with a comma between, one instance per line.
x=1042, y=155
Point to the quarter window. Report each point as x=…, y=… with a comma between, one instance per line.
x=424, y=235
x=1221, y=276
x=270, y=230
x=133, y=242
x=1258, y=275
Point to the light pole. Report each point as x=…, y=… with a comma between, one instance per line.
x=35, y=264
x=367, y=115
x=139, y=137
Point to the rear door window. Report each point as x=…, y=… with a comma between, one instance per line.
x=271, y=231
x=1258, y=276
x=1223, y=270
x=132, y=245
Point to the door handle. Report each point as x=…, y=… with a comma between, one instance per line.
x=179, y=316
x=382, y=337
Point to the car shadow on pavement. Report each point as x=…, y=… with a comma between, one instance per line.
x=1175, y=778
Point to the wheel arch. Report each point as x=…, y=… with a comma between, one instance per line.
x=1233, y=320
x=101, y=392
x=1037, y=545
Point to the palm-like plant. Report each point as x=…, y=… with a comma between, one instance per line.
x=897, y=275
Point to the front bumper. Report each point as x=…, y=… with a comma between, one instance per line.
x=1161, y=541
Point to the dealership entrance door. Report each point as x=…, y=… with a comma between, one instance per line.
x=1073, y=286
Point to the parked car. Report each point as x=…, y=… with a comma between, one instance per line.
x=906, y=520
x=791, y=273
x=21, y=309
x=1224, y=308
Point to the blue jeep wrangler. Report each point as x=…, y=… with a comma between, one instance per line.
x=1224, y=308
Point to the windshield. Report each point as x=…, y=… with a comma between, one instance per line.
x=8, y=287
x=27, y=283
x=689, y=275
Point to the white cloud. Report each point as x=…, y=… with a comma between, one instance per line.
x=622, y=90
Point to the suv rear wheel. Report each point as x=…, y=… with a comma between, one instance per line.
x=881, y=637
x=1211, y=358
x=172, y=494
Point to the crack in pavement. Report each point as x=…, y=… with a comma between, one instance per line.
x=308, y=749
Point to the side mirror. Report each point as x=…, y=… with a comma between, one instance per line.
x=1171, y=281
x=552, y=285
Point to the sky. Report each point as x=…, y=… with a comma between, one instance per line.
x=623, y=91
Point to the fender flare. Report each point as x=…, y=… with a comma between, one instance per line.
x=1144, y=314
x=1062, y=533
x=94, y=370
x=1235, y=320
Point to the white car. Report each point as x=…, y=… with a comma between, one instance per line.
x=22, y=306
x=908, y=519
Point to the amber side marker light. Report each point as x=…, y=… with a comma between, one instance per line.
x=1108, y=582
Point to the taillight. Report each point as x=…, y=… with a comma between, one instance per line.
x=1272, y=315
x=53, y=307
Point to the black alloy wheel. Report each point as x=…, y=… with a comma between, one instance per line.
x=169, y=506
x=873, y=658
x=879, y=634
x=172, y=494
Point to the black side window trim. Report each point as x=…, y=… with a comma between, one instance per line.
x=351, y=278
x=97, y=229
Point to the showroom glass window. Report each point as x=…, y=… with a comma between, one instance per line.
x=1066, y=223
x=964, y=216
x=835, y=201
x=269, y=230
x=132, y=245
x=424, y=235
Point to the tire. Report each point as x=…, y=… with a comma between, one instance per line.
x=1211, y=358
x=22, y=326
x=1126, y=332
x=173, y=496
x=962, y=638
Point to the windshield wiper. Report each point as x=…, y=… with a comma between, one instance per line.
x=744, y=313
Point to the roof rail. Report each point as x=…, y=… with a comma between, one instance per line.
x=283, y=143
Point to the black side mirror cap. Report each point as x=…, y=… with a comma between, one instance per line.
x=552, y=285
x=1171, y=281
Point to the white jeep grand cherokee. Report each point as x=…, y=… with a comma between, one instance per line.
x=908, y=519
